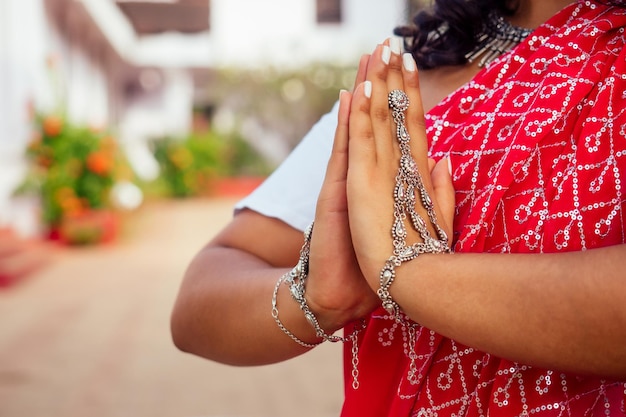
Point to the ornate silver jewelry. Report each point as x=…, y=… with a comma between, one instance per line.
x=408, y=191
x=280, y=323
x=296, y=278
x=498, y=36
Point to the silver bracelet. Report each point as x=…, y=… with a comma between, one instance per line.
x=296, y=280
x=280, y=324
x=408, y=190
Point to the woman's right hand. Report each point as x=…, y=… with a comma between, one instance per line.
x=337, y=292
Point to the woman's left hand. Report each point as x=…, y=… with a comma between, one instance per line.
x=374, y=157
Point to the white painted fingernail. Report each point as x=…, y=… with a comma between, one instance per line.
x=386, y=55
x=449, y=166
x=367, y=89
x=408, y=62
x=396, y=45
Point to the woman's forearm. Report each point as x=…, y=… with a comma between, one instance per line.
x=562, y=311
x=223, y=310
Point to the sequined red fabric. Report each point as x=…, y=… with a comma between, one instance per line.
x=538, y=147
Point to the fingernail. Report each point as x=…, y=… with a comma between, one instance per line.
x=396, y=46
x=341, y=93
x=367, y=89
x=408, y=62
x=386, y=55
x=449, y=166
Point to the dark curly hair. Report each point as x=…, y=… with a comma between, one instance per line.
x=443, y=33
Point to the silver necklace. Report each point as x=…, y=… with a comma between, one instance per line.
x=498, y=36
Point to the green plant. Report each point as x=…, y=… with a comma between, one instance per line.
x=189, y=165
x=241, y=159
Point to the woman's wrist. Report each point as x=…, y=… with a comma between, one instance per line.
x=291, y=319
x=334, y=318
x=320, y=320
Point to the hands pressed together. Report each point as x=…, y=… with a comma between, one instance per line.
x=515, y=306
x=355, y=211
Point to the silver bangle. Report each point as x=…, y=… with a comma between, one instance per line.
x=409, y=189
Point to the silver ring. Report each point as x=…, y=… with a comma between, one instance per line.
x=398, y=101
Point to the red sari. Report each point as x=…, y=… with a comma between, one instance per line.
x=537, y=141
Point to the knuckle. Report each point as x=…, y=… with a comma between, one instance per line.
x=380, y=113
x=395, y=66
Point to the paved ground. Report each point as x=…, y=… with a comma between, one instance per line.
x=88, y=335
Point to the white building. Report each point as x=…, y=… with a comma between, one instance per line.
x=118, y=63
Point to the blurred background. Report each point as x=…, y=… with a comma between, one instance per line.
x=128, y=130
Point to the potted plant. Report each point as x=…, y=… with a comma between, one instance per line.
x=73, y=169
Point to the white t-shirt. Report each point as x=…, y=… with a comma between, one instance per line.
x=290, y=192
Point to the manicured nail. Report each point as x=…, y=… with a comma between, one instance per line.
x=367, y=89
x=396, y=45
x=408, y=62
x=386, y=55
x=449, y=166
x=341, y=93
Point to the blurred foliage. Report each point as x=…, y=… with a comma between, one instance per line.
x=190, y=166
x=285, y=102
x=281, y=103
x=241, y=159
x=72, y=168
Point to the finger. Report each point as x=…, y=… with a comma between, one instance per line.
x=415, y=113
x=394, y=78
x=338, y=162
x=394, y=81
x=363, y=66
x=337, y=168
x=385, y=73
x=381, y=121
x=361, y=71
x=361, y=144
x=443, y=190
x=385, y=66
x=393, y=60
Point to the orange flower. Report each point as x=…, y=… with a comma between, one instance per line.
x=72, y=207
x=68, y=201
x=99, y=163
x=52, y=125
x=44, y=161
